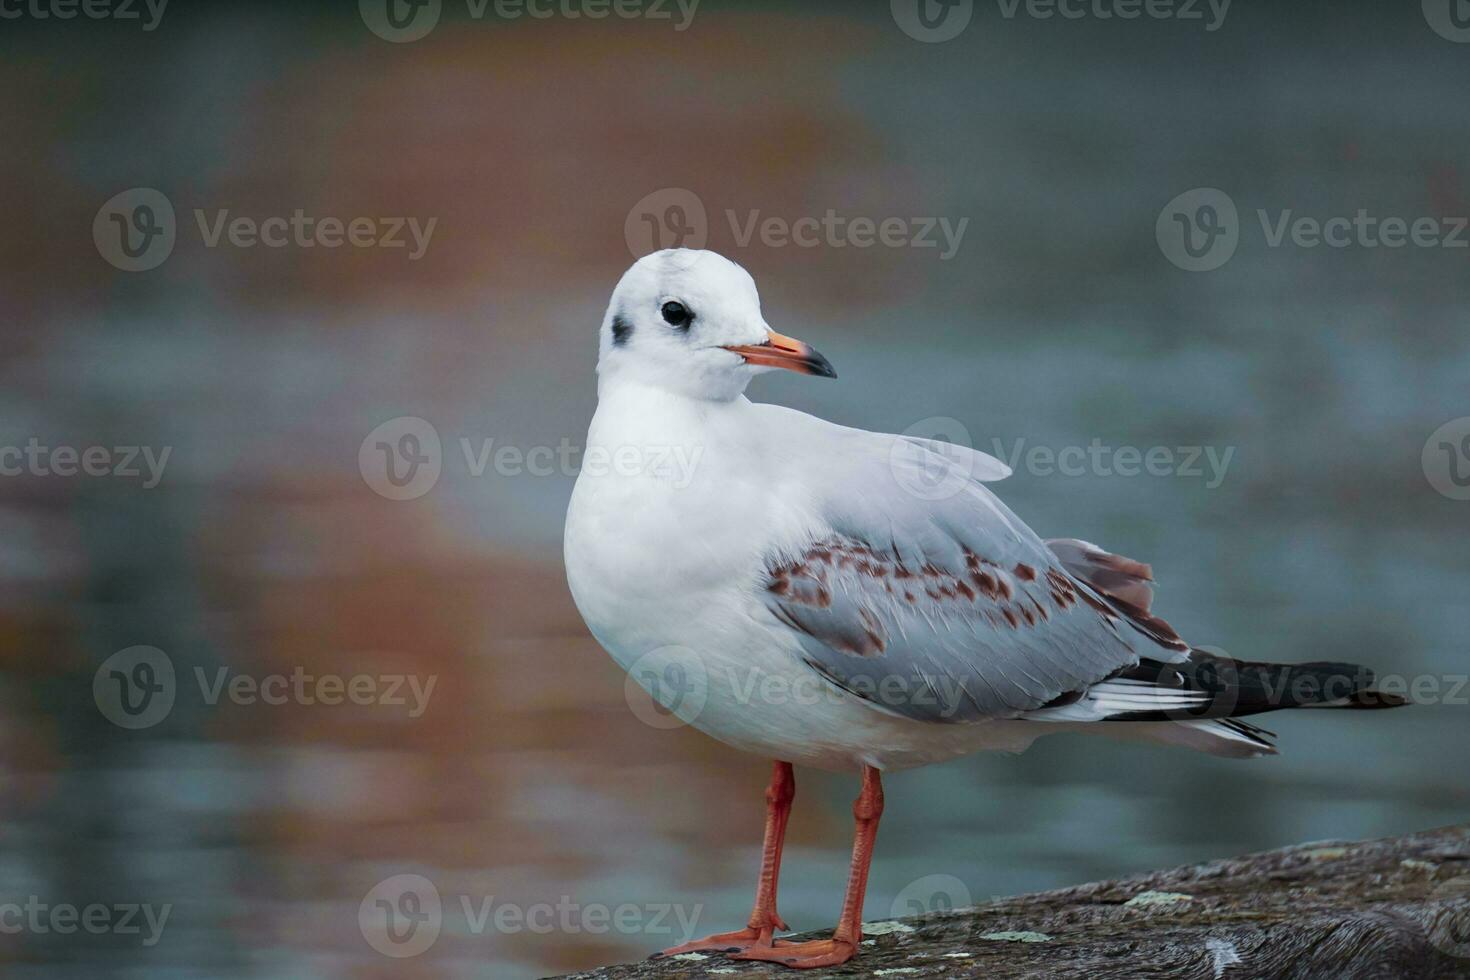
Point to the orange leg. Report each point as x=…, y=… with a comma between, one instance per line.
x=764, y=919
x=849, y=933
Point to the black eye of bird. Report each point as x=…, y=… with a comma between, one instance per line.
x=676, y=314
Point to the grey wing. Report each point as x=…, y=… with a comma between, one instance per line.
x=951, y=609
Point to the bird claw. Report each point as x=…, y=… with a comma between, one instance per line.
x=801, y=956
x=724, y=942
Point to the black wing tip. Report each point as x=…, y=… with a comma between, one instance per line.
x=1363, y=695
x=1263, y=739
x=1372, y=699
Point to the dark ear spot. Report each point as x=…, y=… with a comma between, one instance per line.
x=622, y=330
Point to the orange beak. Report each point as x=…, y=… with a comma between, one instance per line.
x=781, y=351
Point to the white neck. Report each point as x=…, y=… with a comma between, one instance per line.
x=637, y=414
x=691, y=377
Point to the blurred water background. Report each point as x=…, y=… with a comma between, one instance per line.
x=527, y=779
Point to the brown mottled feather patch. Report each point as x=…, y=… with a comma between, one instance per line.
x=1020, y=597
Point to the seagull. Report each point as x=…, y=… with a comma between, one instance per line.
x=856, y=601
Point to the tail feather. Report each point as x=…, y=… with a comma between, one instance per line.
x=1228, y=688
x=1203, y=693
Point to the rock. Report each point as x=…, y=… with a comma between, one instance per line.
x=1398, y=907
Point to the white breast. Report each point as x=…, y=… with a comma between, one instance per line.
x=652, y=530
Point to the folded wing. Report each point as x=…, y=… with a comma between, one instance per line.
x=916, y=589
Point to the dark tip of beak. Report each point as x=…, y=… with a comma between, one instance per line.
x=819, y=365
